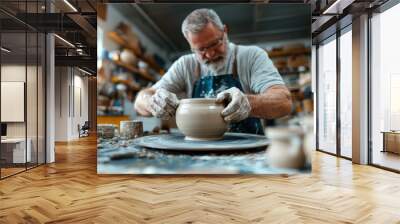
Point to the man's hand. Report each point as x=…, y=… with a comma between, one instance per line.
x=239, y=106
x=163, y=104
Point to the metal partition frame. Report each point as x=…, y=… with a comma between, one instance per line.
x=44, y=75
x=340, y=30
x=364, y=154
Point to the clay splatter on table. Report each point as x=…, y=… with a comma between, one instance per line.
x=116, y=156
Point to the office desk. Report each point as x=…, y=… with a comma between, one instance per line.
x=391, y=141
x=13, y=150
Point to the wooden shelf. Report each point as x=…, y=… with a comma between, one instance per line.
x=134, y=70
x=134, y=86
x=290, y=52
x=286, y=72
x=125, y=44
x=122, y=42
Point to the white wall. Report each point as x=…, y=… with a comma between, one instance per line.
x=80, y=96
x=61, y=103
x=71, y=93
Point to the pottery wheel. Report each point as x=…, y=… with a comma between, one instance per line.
x=177, y=142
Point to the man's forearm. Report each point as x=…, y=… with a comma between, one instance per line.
x=142, y=102
x=275, y=102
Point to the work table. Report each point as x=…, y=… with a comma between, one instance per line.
x=116, y=156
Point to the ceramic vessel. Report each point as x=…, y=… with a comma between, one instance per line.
x=286, y=150
x=201, y=119
x=128, y=57
x=105, y=130
x=131, y=129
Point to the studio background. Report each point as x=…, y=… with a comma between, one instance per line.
x=137, y=43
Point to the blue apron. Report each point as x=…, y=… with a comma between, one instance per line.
x=210, y=85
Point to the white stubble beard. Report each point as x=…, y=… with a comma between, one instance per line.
x=216, y=67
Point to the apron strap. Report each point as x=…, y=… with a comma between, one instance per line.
x=197, y=71
x=234, y=65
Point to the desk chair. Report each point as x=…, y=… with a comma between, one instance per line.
x=84, y=130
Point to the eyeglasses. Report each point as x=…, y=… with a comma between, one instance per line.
x=217, y=43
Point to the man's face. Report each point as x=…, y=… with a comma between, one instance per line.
x=210, y=46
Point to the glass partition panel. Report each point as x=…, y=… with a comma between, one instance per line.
x=32, y=98
x=15, y=151
x=385, y=89
x=346, y=94
x=41, y=85
x=327, y=96
x=22, y=88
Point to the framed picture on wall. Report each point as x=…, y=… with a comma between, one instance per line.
x=12, y=101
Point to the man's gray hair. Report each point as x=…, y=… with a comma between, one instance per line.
x=198, y=19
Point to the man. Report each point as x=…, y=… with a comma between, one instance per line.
x=243, y=76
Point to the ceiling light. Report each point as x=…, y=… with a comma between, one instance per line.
x=337, y=7
x=64, y=40
x=70, y=5
x=84, y=71
x=5, y=49
x=79, y=51
x=333, y=6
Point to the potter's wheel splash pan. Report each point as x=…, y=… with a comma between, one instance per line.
x=177, y=142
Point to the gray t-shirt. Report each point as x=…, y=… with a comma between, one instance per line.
x=255, y=70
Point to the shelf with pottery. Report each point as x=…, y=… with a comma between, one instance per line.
x=292, y=72
x=289, y=52
x=129, y=83
x=133, y=69
x=291, y=59
x=293, y=63
x=117, y=38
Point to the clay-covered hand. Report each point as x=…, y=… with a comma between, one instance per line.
x=163, y=104
x=239, y=106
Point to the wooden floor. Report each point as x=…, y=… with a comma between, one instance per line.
x=387, y=159
x=10, y=171
x=70, y=191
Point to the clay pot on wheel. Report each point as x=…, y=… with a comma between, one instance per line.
x=201, y=119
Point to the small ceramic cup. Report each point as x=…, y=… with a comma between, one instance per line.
x=130, y=129
x=105, y=130
x=201, y=119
